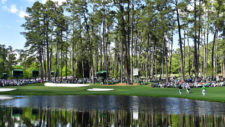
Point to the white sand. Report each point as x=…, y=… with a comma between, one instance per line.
x=65, y=85
x=99, y=89
x=6, y=89
x=3, y=97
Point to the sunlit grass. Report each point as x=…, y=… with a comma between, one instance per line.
x=212, y=94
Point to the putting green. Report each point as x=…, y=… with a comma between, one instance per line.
x=212, y=93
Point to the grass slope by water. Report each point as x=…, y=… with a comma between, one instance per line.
x=212, y=94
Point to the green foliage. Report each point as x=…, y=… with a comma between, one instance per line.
x=101, y=35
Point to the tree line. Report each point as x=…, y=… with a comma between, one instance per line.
x=82, y=37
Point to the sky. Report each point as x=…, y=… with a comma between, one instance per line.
x=12, y=13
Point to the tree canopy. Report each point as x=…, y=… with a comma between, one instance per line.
x=82, y=37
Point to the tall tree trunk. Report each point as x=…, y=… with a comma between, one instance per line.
x=90, y=47
x=189, y=59
x=45, y=69
x=81, y=41
x=66, y=60
x=116, y=57
x=132, y=42
x=96, y=60
x=2, y=53
x=56, y=61
x=202, y=60
x=47, y=48
x=41, y=65
x=103, y=40
x=171, y=54
x=184, y=49
x=162, y=61
x=223, y=65
x=195, y=42
x=153, y=60
x=147, y=57
x=121, y=61
x=199, y=32
x=204, y=64
x=152, y=65
x=115, y=65
x=125, y=42
x=61, y=63
x=165, y=55
x=48, y=60
x=180, y=42
x=156, y=71
x=107, y=51
x=73, y=56
x=213, y=48
x=207, y=42
x=70, y=62
x=136, y=49
x=82, y=64
x=61, y=39
x=50, y=63
x=73, y=61
x=128, y=46
x=101, y=55
x=215, y=61
x=92, y=65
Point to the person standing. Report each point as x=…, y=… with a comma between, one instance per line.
x=203, y=90
x=188, y=88
x=180, y=89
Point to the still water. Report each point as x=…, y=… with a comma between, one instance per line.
x=109, y=111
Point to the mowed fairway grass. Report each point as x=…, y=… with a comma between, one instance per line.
x=212, y=93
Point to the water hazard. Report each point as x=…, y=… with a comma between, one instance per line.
x=109, y=111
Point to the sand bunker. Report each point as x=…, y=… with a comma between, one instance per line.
x=65, y=85
x=99, y=89
x=6, y=89
x=3, y=97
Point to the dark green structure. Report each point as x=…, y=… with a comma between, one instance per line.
x=4, y=76
x=53, y=73
x=35, y=73
x=102, y=75
x=17, y=73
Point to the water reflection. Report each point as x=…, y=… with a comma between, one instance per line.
x=70, y=118
x=113, y=103
x=109, y=111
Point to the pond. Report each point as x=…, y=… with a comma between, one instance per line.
x=113, y=111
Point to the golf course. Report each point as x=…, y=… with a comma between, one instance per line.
x=216, y=94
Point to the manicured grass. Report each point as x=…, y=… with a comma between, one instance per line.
x=212, y=94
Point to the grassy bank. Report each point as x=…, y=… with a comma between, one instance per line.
x=212, y=94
